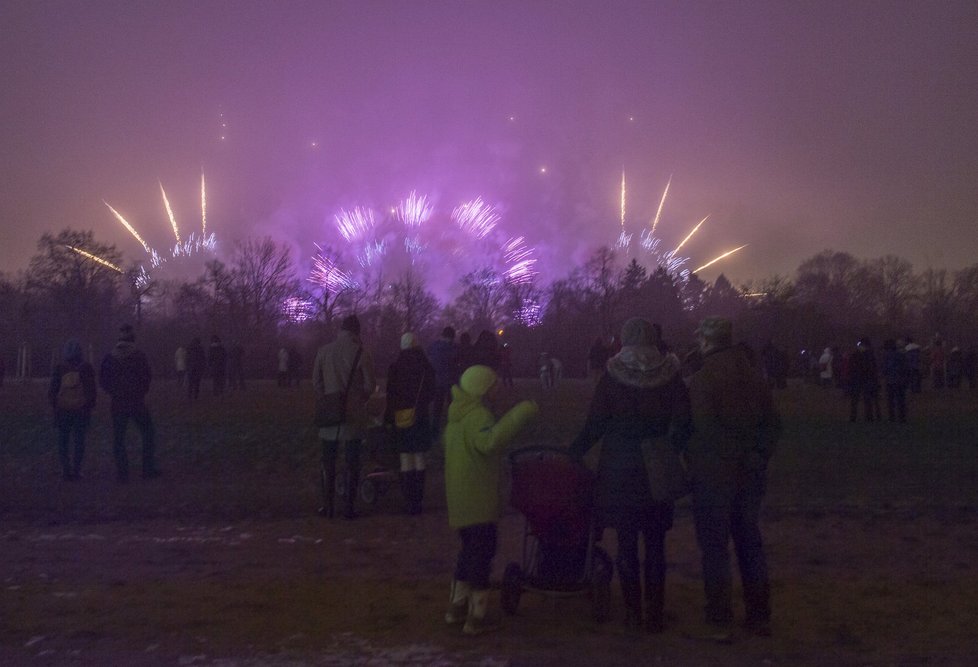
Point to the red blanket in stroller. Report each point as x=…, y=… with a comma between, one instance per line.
x=555, y=493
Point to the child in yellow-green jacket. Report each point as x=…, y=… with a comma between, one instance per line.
x=474, y=447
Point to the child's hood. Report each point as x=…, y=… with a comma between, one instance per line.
x=462, y=404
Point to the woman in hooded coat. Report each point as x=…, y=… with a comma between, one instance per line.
x=72, y=394
x=641, y=396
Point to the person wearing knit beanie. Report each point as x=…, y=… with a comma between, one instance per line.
x=475, y=443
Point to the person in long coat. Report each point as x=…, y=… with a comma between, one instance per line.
x=344, y=360
x=735, y=428
x=410, y=386
x=641, y=396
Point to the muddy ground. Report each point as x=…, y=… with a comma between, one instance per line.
x=870, y=531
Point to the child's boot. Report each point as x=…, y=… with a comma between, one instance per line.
x=478, y=621
x=458, y=602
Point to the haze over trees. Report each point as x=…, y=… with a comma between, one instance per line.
x=259, y=298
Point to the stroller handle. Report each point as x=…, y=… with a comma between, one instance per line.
x=541, y=452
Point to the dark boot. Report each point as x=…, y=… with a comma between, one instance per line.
x=352, y=455
x=407, y=490
x=655, y=606
x=327, y=473
x=631, y=594
x=418, y=491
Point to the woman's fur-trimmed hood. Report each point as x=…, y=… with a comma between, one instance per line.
x=643, y=366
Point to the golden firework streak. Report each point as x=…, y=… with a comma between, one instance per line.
x=689, y=236
x=169, y=213
x=125, y=223
x=726, y=254
x=95, y=258
x=661, y=204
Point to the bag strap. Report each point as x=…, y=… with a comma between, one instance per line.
x=417, y=396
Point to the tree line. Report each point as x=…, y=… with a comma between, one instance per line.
x=257, y=298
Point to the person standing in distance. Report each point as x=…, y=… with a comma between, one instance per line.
x=125, y=375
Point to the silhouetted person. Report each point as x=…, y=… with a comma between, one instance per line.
x=196, y=363
x=283, y=367
x=896, y=376
x=863, y=380
x=236, y=366
x=443, y=355
x=410, y=386
x=125, y=375
x=971, y=366
x=465, y=352
x=344, y=366
x=217, y=363
x=72, y=394
x=597, y=357
x=180, y=364
x=937, y=361
x=955, y=367
x=735, y=429
x=915, y=366
x=485, y=350
x=506, y=364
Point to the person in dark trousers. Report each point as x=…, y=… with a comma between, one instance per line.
x=125, y=375
x=217, y=363
x=915, y=365
x=485, y=351
x=344, y=365
x=896, y=375
x=72, y=395
x=735, y=429
x=410, y=386
x=597, y=357
x=863, y=381
x=443, y=355
x=641, y=396
x=465, y=352
x=236, y=367
x=196, y=363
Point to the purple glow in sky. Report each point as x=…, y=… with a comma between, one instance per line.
x=795, y=126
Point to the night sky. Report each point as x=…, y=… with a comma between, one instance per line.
x=797, y=126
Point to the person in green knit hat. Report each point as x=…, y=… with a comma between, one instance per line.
x=474, y=447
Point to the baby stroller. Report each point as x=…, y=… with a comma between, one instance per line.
x=560, y=555
x=379, y=466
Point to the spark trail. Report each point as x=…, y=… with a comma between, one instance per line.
x=414, y=211
x=354, y=225
x=717, y=259
x=203, y=207
x=662, y=202
x=169, y=213
x=132, y=230
x=689, y=236
x=95, y=258
x=623, y=199
x=476, y=217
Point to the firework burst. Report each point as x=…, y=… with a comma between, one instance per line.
x=193, y=245
x=653, y=245
x=416, y=237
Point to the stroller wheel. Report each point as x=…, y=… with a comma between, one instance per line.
x=368, y=491
x=512, y=588
x=600, y=591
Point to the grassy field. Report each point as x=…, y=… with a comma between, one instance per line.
x=870, y=530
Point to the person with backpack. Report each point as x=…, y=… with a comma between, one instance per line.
x=125, y=375
x=72, y=394
x=735, y=428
